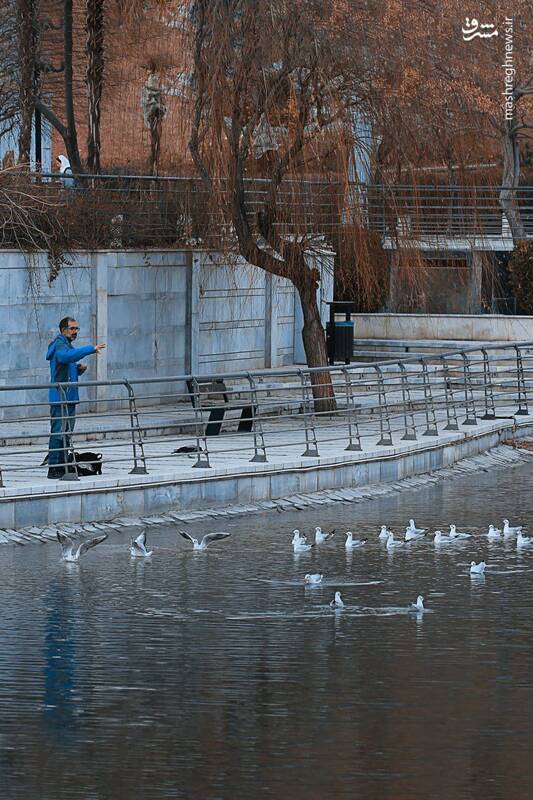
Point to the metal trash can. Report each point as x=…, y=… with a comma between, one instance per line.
x=340, y=340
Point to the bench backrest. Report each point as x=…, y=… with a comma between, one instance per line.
x=211, y=392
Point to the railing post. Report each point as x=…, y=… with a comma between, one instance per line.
x=352, y=417
x=384, y=421
x=408, y=415
x=202, y=456
x=136, y=434
x=452, y=423
x=70, y=472
x=311, y=444
x=470, y=408
x=257, y=426
x=490, y=409
x=521, y=385
x=429, y=405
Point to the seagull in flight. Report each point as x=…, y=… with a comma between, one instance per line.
x=337, y=601
x=321, y=536
x=69, y=551
x=138, y=547
x=205, y=541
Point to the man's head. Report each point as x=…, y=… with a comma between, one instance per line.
x=69, y=328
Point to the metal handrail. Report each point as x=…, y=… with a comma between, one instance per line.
x=374, y=403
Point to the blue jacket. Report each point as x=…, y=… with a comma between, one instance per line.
x=63, y=358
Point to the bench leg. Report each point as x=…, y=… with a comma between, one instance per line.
x=247, y=420
x=215, y=422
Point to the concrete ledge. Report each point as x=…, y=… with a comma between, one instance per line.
x=101, y=499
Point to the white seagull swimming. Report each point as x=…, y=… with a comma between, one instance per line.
x=297, y=537
x=494, y=533
x=523, y=541
x=412, y=534
x=384, y=532
x=302, y=546
x=313, y=578
x=138, y=547
x=477, y=569
x=455, y=534
x=412, y=527
x=69, y=551
x=418, y=606
x=321, y=536
x=337, y=601
x=206, y=540
x=392, y=542
x=442, y=538
x=508, y=531
x=352, y=543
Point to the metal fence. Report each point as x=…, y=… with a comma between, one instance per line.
x=266, y=416
x=110, y=211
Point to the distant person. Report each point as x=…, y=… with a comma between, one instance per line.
x=65, y=170
x=64, y=368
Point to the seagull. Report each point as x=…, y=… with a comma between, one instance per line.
x=297, y=537
x=392, y=542
x=418, y=606
x=321, y=537
x=442, y=538
x=351, y=543
x=302, y=546
x=508, y=531
x=138, y=547
x=412, y=527
x=494, y=533
x=477, y=569
x=313, y=578
x=411, y=534
x=384, y=532
x=68, y=545
x=337, y=601
x=205, y=541
x=455, y=534
x=523, y=541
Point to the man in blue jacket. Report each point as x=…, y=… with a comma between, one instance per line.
x=64, y=368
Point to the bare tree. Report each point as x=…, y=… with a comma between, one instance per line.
x=95, y=18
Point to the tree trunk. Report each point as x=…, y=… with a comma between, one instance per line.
x=510, y=180
x=95, y=75
x=26, y=21
x=314, y=339
x=71, y=140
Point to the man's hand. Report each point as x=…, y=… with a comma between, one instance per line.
x=99, y=348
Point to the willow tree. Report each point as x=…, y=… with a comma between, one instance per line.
x=274, y=88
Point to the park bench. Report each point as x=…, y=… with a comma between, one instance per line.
x=214, y=396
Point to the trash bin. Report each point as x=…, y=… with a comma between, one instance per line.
x=340, y=340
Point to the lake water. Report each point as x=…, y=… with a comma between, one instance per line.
x=219, y=676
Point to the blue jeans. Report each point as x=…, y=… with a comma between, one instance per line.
x=62, y=420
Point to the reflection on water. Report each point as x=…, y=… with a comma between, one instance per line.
x=221, y=675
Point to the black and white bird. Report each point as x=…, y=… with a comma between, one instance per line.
x=508, y=531
x=442, y=538
x=352, y=543
x=138, y=547
x=313, y=578
x=418, y=606
x=337, y=601
x=392, y=543
x=523, y=541
x=477, y=569
x=73, y=551
x=455, y=534
x=298, y=538
x=412, y=527
x=411, y=534
x=494, y=533
x=322, y=536
x=205, y=541
x=384, y=533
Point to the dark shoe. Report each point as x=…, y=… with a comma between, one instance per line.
x=56, y=472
